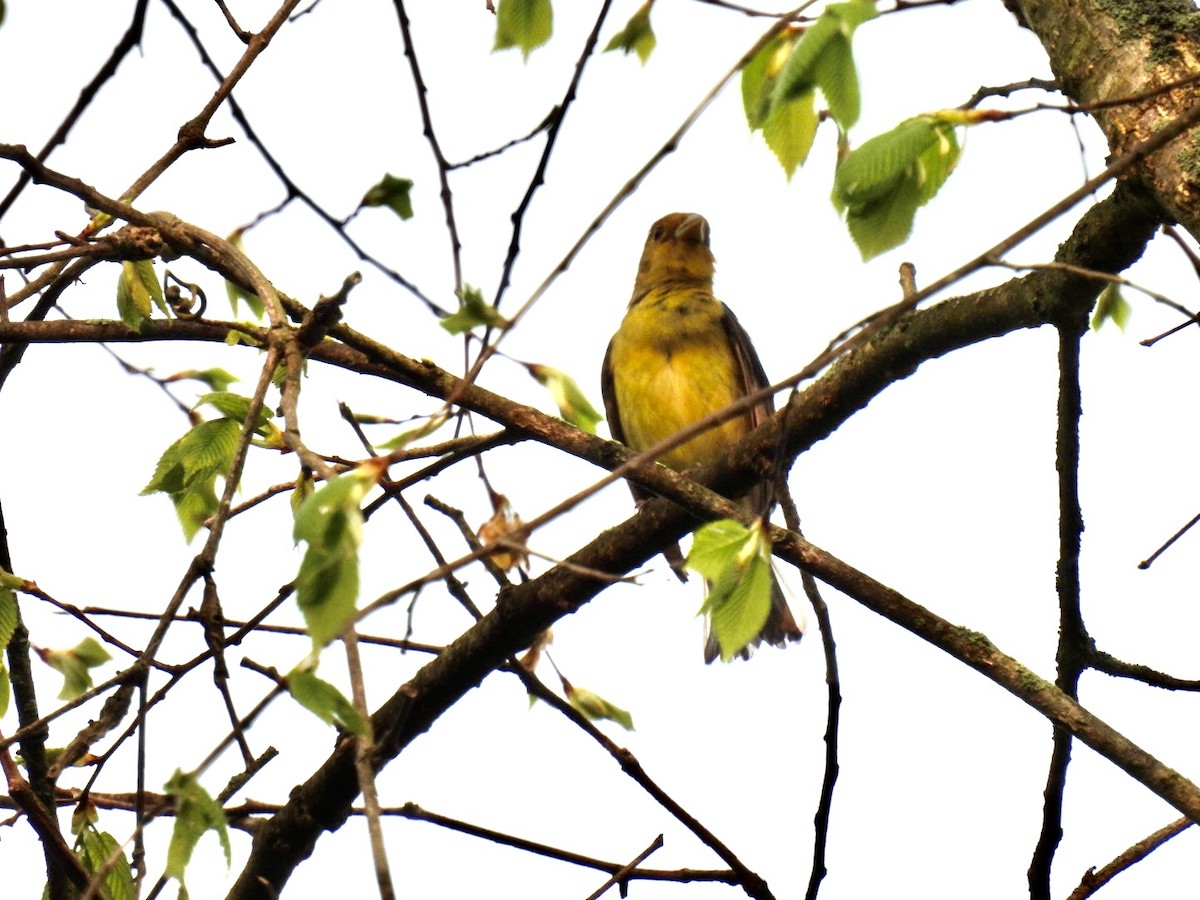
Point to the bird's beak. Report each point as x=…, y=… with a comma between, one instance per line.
x=694, y=229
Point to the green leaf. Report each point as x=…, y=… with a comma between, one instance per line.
x=137, y=291
x=203, y=451
x=426, y=428
x=393, y=193
x=330, y=522
x=188, y=469
x=823, y=59
x=8, y=608
x=472, y=311
x=236, y=407
x=573, y=406
x=760, y=75
x=595, y=707
x=326, y=701
x=790, y=129
x=195, y=813
x=236, y=292
x=215, y=379
x=8, y=626
x=196, y=505
x=637, y=36
x=94, y=849
x=1111, y=306
x=736, y=562
x=881, y=184
x=74, y=665
x=523, y=23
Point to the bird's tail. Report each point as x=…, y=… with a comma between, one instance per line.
x=780, y=628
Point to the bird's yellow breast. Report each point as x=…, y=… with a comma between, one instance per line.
x=672, y=364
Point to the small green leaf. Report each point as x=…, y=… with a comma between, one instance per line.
x=94, y=849
x=790, y=129
x=236, y=292
x=74, y=664
x=330, y=522
x=637, y=36
x=404, y=438
x=573, y=406
x=472, y=311
x=195, y=813
x=236, y=407
x=8, y=626
x=760, y=75
x=215, y=379
x=1111, y=306
x=523, y=23
x=138, y=291
x=823, y=59
x=203, y=451
x=326, y=701
x=881, y=184
x=595, y=707
x=188, y=469
x=8, y=608
x=393, y=193
x=736, y=562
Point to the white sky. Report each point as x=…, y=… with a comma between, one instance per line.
x=944, y=488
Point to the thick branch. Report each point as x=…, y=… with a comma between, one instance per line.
x=1107, y=50
x=1109, y=237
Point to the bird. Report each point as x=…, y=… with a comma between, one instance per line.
x=680, y=355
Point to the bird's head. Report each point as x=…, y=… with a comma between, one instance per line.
x=676, y=251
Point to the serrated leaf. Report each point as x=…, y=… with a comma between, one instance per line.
x=326, y=701
x=1111, y=306
x=472, y=311
x=823, y=59
x=203, y=451
x=5, y=689
x=595, y=707
x=736, y=563
x=8, y=613
x=790, y=129
x=236, y=407
x=882, y=183
x=195, y=813
x=573, y=406
x=188, y=469
x=886, y=223
x=196, y=505
x=392, y=192
x=137, y=291
x=637, y=36
x=760, y=75
x=330, y=523
x=526, y=24
x=74, y=665
x=94, y=849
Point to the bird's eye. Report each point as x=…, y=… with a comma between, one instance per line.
x=656, y=233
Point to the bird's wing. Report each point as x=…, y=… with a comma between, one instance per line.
x=750, y=370
x=608, y=392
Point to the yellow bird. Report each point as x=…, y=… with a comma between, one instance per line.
x=679, y=356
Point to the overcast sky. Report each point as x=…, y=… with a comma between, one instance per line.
x=944, y=487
